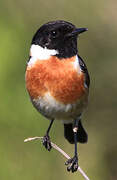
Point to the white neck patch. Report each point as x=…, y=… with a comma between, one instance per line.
x=76, y=62
x=39, y=53
x=76, y=65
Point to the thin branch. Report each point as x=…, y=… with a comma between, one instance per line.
x=61, y=151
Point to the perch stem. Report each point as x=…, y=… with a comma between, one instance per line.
x=61, y=151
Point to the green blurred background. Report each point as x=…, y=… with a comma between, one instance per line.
x=18, y=119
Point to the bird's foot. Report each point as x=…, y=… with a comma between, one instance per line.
x=46, y=142
x=72, y=164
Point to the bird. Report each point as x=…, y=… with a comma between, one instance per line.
x=57, y=81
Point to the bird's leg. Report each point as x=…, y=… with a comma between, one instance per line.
x=46, y=139
x=73, y=162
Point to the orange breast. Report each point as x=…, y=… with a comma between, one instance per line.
x=58, y=77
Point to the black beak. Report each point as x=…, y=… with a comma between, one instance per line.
x=77, y=31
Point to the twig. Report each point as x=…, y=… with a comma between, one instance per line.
x=61, y=151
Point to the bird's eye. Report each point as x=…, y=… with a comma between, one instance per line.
x=54, y=34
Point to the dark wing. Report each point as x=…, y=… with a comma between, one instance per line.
x=84, y=70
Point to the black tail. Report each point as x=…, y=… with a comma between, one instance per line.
x=82, y=136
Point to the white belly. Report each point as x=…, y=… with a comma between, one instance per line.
x=52, y=109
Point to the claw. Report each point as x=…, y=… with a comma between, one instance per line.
x=72, y=164
x=68, y=161
x=46, y=142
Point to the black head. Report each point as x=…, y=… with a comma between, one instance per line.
x=59, y=35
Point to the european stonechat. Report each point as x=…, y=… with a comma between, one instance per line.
x=57, y=81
